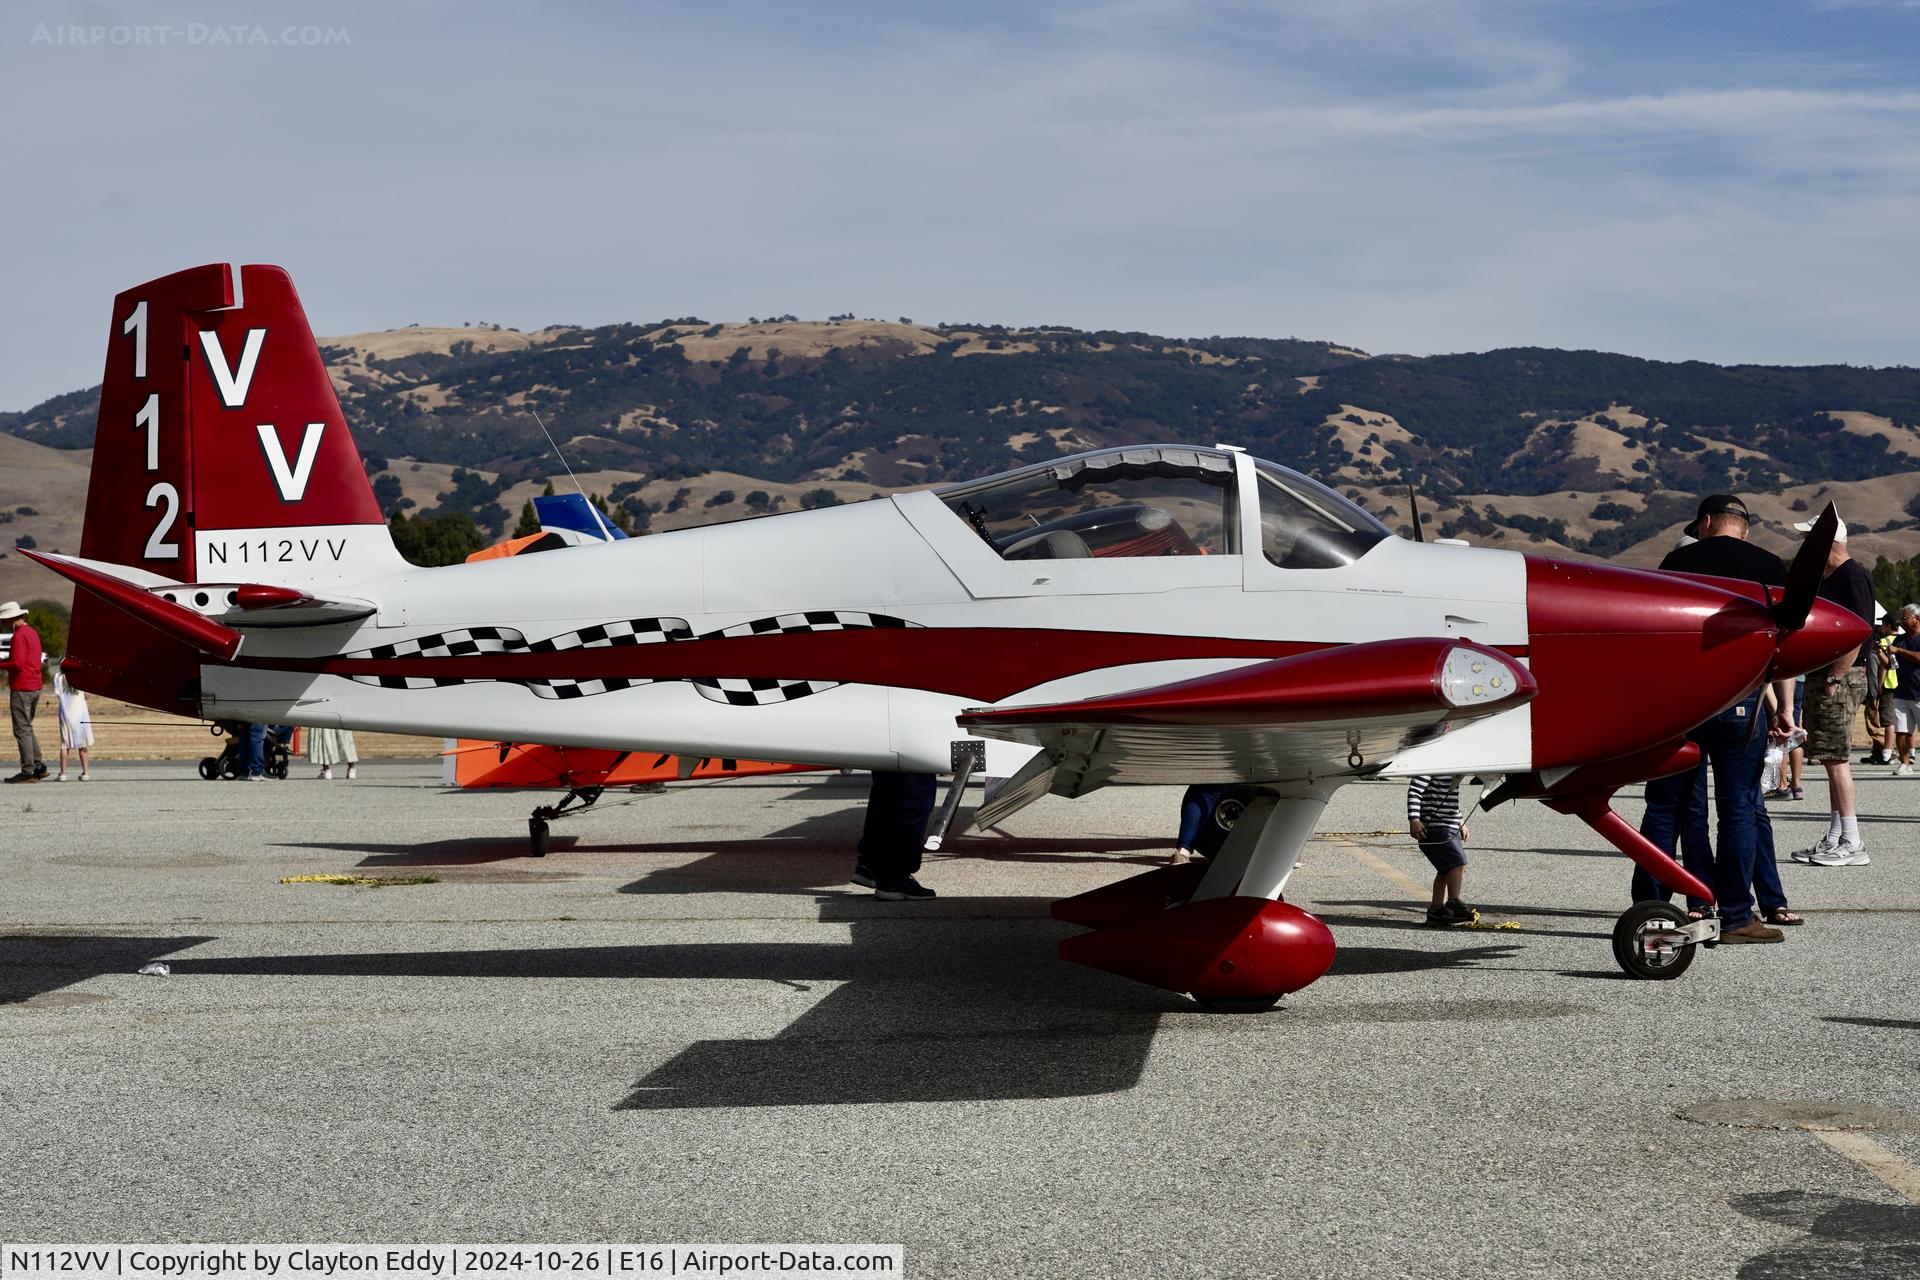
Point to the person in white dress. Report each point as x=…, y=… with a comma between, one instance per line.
x=328, y=747
x=76, y=725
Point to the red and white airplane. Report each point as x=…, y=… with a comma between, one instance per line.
x=1153, y=614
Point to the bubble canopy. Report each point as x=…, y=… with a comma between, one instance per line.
x=1161, y=500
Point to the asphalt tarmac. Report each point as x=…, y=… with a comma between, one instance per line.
x=684, y=1026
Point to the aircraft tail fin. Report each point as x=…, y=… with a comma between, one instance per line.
x=220, y=457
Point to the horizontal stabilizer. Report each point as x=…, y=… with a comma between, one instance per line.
x=173, y=620
x=253, y=604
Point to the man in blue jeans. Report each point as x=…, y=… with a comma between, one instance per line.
x=256, y=760
x=1734, y=747
x=1735, y=752
x=1677, y=815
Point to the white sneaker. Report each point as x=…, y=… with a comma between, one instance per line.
x=326, y=773
x=60, y=777
x=1844, y=854
x=1904, y=769
x=353, y=771
x=1825, y=844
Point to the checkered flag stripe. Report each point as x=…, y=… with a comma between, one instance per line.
x=812, y=620
x=463, y=643
x=738, y=692
x=760, y=692
x=565, y=690
x=613, y=635
x=407, y=682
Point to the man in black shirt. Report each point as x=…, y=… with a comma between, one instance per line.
x=1729, y=746
x=1833, y=699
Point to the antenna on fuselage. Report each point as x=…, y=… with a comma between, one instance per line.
x=1413, y=501
x=606, y=534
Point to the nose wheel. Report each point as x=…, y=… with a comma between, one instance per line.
x=1656, y=941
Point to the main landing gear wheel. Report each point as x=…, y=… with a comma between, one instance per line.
x=537, y=837
x=1648, y=942
x=1236, y=1004
x=210, y=768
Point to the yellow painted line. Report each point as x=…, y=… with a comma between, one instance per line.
x=1872, y=1157
x=1380, y=866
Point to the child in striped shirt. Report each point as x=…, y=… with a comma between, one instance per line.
x=1433, y=819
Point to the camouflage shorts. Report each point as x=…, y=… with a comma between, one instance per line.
x=1830, y=711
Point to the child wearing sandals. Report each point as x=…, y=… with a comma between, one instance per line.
x=1433, y=819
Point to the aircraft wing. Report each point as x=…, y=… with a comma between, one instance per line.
x=1347, y=709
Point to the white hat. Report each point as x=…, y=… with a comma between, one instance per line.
x=11, y=610
x=1839, y=529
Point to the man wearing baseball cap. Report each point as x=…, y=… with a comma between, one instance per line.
x=1732, y=748
x=1833, y=699
x=23, y=668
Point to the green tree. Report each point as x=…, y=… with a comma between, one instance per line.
x=813, y=499
x=429, y=540
x=50, y=619
x=529, y=521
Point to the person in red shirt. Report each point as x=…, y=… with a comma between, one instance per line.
x=22, y=666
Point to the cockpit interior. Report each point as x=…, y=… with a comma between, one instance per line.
x=1162, y=500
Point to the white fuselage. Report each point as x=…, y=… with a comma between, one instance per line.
x=909, y=558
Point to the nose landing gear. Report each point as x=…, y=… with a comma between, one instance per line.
x=1656, y=940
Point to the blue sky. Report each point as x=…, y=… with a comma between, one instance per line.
x=1729, y=182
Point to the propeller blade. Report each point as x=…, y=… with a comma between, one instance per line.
x=1804, y=574
x=1413, y=502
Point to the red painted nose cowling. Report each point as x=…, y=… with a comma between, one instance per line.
x=1829, y=633
x=1627, y=658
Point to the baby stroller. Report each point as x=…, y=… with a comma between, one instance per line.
x=277, y=751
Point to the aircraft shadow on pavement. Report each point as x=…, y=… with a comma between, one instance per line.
x=465, y=851
x=35, y=964
x=996, y=846
x=926, y=1010
x=1477, y=847
x=1889, y=1024
x=819, y=851
x=1844, y=1236
x=1413, y=916
x=1355, y=961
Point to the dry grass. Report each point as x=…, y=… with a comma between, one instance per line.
x=1903, y=439
x=699, y=489
x=393, y=344
x=1863, y=504
x=1611, y=453
x=1353, y=436
x=803, y=338
x=122, y=731
x=424, y=482
x=54, y=483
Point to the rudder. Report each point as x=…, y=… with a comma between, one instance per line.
x=220, y=456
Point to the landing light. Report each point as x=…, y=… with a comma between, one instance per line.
x=1469, y=677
